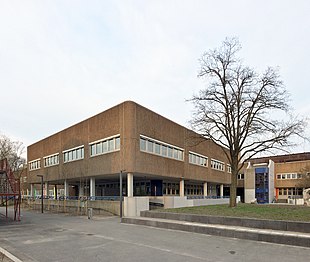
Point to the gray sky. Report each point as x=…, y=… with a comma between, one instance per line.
x=64, y=61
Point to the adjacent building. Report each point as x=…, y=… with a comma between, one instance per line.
x=280, y=178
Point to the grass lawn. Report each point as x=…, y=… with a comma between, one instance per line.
x=273, y=212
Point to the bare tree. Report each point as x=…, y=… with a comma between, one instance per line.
x=12, y=151
x=239, y=108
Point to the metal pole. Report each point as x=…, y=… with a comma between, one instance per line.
x=121, y=194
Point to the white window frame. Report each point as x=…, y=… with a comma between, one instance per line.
x=49, y=157
x=103, y=142
x=68, y=154
x=34, y=164
x=216, y=164
x=193, y=155
x=174, y=150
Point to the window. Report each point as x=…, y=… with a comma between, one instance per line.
x=170, y=150
x=228, y=168
x=150, y=146
x=288, y=176
x=157, y=148
x=240, y=176
x=197, y=159
x=163, y=149
x=117, y=143
x=142, y=144
x=217, y=165
x=106, y=145
x=35, y=164
x=51, y=160
x=73, y=154
x=111, y=145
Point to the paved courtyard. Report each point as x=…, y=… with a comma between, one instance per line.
x=60, y=237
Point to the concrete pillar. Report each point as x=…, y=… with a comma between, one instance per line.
x=46, y=189
x=55, y=192
x=182, y=188
x=130, y=185
x=66, y=187
x=221, y=190
x=81, y=189
x=205, y=188
x=32, y=190
x=92, y=192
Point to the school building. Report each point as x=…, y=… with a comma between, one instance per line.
x=156, y=156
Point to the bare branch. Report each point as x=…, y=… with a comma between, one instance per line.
x=239, y=108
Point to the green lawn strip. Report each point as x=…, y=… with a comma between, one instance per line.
x=272, y=212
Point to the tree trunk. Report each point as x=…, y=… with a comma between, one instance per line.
x=233, y=187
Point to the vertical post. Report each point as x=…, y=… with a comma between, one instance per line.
x=130, y=185
x=205, y=189
x=182, y=188
x=55, y=192
x=31, y=190
x=221, y=190
x=92, y=188
x=66, y=186
x=46, y=189
x=121, y=194
x=41, y=192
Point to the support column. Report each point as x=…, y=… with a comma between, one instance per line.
x=130, y=185
x=46, y=189
x=81, y=189
x=55, y=192
x=205, y=188
x=221, y=190
x=31, y=190
x=182, y=188
x=66, y=187
x=92, y=192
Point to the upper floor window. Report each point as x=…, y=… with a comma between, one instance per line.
x=289, y=176
x=197, y=159
x=160, y=148
x=228, y=168
x=34, y=164
x=217, y=165
x=51, y=160
x=73, y=154
x=105, y=145
x=240, y=176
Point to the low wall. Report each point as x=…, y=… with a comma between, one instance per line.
x=303, y=227
x=76, y=206
x=134, y=205
x=176, y=201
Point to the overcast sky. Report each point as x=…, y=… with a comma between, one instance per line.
x=64, y=61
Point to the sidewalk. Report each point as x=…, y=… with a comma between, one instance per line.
x=51, y=237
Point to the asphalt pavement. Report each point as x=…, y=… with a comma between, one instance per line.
x=61, y=237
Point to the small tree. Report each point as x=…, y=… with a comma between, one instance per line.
x=12, y=151
x=238, y=108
